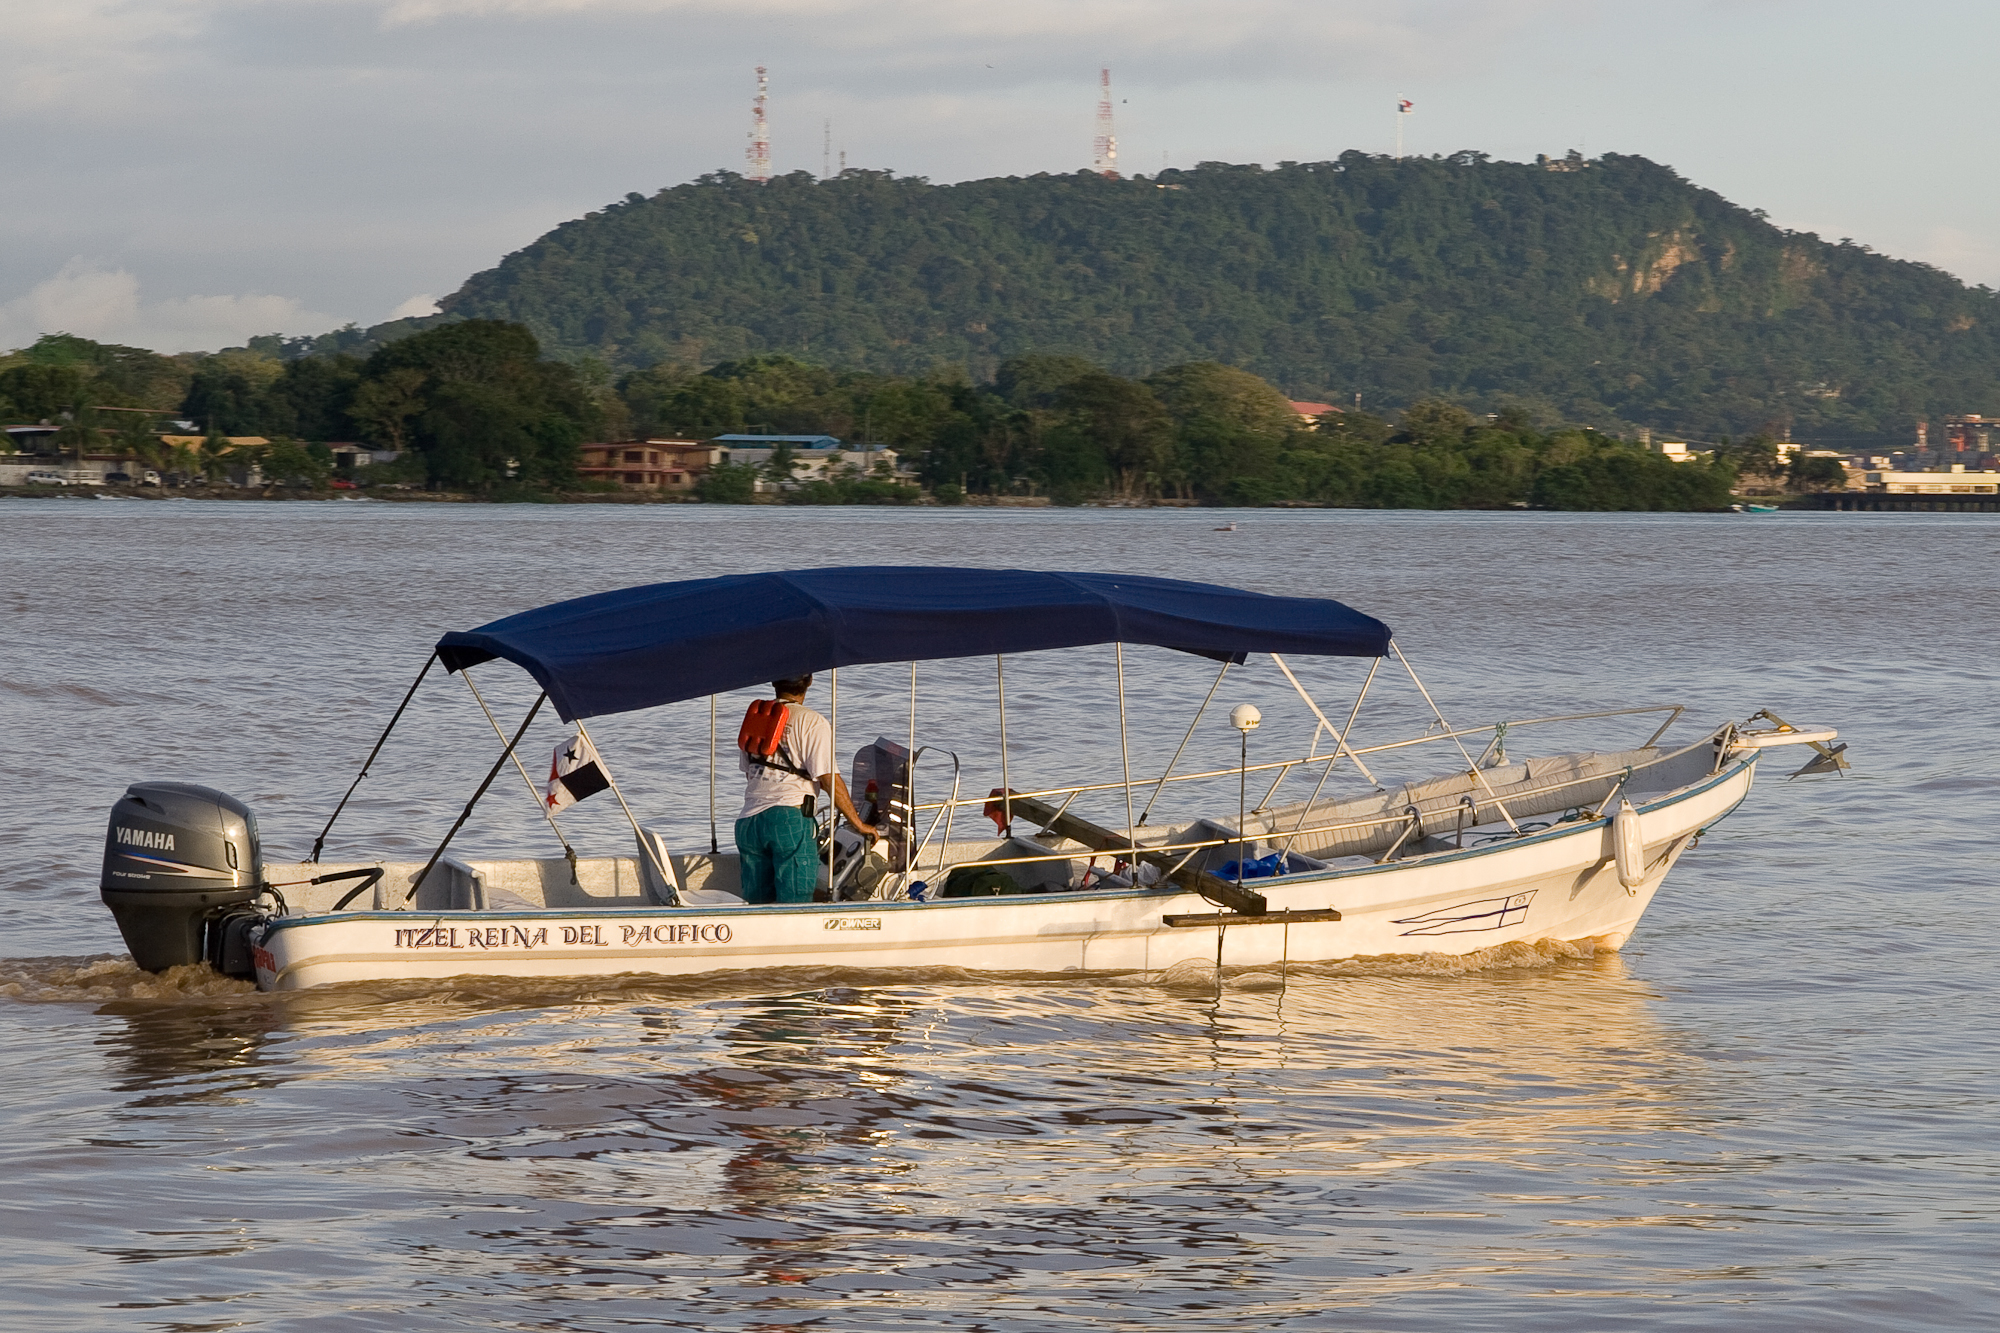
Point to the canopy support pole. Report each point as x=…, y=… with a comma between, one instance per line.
x=645, y=843
x=466, y=813
x=540, y=798
x=1339, y=737
x=1478, y=773
x=1006, y=783
x=714, y=847
x=1161, y=784
x=396, y=717
x=1125, y=751
x=1327, y=772
x=909, y=847
x=833, y=745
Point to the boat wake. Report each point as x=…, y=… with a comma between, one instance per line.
x=1196, y=974
x=98, y=978
x=95, y=978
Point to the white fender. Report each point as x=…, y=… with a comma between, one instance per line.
x=1627, y=847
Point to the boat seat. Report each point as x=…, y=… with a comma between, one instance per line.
x=653, y=858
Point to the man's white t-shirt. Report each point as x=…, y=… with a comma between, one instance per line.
x=809, y=743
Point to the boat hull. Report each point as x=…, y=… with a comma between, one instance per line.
x=1561, y=884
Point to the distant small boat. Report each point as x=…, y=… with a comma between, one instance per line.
x=1754, y=509
x=1227, y=527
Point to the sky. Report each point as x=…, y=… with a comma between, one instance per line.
x=183, y=174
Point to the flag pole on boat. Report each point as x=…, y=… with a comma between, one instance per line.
x=540, y=797
x=714, y=846
x=394, y=718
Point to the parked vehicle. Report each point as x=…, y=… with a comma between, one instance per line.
x=149, y=478
x=43, y=477
x=343, y=484
x=118, y=479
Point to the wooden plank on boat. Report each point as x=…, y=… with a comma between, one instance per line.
x=1101, y=839
x=1250, y=918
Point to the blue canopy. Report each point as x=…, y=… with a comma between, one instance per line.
x=638, y=647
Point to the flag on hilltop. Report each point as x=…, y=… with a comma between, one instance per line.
x=1406, y=106
x=574, y=773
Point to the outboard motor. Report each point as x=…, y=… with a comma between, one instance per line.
x=176, y=857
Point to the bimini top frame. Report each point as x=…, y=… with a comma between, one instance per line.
x=640, y=647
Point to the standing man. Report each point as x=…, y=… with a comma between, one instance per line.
x=774, y=834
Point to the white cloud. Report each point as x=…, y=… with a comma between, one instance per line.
x=107, y=46
x=105, y=304
x=1196, y=34
x=58, y=50
x=416, y=307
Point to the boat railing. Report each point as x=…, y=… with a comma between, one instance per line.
x=1620, y=778
x=1070, y=793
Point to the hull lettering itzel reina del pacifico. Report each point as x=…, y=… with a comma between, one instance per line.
x=1488, y=848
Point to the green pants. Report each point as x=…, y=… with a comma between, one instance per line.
x=780, y=858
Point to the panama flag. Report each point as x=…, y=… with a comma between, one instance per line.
x=574, y=773
x=1406, y=106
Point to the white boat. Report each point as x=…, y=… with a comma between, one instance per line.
x=1494, y=849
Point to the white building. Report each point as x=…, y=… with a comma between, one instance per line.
x=813, y=458
x=1958, y=481
x=1674, y=450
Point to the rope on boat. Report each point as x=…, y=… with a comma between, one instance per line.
x=1616, y=787
x=394, y=718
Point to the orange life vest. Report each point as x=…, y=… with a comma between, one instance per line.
x=763, y=729
x=762, y=737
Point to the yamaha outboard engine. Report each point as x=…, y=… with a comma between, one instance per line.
x=176, y=858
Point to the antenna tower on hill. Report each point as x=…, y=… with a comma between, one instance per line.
x=1104, y=160
x=760, y=132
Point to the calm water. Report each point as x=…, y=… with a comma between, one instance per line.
x=1773, y=1110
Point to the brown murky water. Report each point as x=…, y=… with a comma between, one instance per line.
x=1771, y=1111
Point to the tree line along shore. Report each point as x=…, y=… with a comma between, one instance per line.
x=473, y=409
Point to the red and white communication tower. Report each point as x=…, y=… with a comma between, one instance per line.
x=760, y=132
x=1104, y=160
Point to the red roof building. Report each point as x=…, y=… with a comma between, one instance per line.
x=1310, y=413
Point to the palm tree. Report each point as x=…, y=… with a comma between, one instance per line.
x=79, y=432
x=213, y=458
x=135, y=435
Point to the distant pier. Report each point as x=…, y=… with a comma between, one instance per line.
x=1861, y=502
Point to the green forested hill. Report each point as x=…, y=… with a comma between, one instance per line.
x=1610, y=290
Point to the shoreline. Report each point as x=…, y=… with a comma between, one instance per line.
x=630, y=498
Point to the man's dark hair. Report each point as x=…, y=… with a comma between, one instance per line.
x=792, y=684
